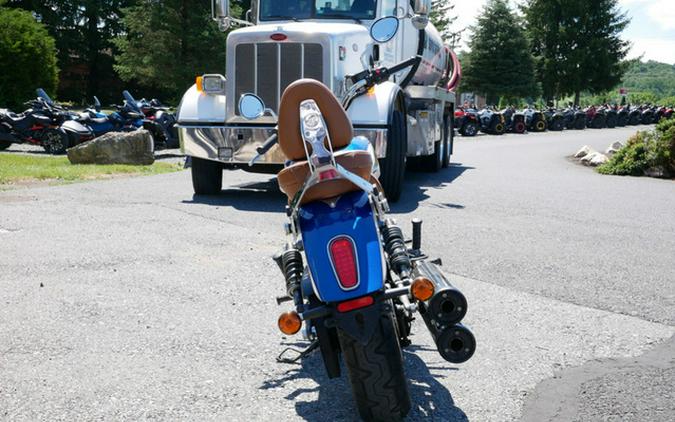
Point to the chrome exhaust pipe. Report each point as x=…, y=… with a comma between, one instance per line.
x=448, y=305
x=455, y=343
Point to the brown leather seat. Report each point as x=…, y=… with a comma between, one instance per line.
x=340, y=131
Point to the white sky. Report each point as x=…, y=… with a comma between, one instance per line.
x=652, y=29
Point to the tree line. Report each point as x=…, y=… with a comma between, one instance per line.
x=551, y=49
x=79, y=48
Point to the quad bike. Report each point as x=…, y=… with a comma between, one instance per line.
x=491, y=121
x=611, y=117
x=555, y=120
x=534, y=120
x=353, y=282
x=622, y=116
x=574, y=118
x=466, y=122
x=513, y=120
x=647, y=117
x=634, y=116
x=595, y=118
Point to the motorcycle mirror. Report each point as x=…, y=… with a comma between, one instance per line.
x=384, y=29
x=251, y=106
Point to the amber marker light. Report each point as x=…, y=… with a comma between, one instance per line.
x=289, y=323
x=422, y=289
x=200, y=83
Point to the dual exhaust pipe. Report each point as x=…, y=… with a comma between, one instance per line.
x=442, y=314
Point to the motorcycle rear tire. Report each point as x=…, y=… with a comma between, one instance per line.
x=207, y=176
x=379, y=385
x=55, y=141
x=392, y=168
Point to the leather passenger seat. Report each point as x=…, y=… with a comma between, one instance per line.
x=292, y=178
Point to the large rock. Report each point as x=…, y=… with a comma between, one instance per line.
x=134, y=148
x=584, y=152
x=614, y=148
x=586, y=159
x=598, y=160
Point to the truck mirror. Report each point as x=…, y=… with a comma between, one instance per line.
x=251, y=106
x=220, y=12
x=384, y=29
x=421, y=18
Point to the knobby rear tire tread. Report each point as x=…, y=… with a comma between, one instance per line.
x=376, y=374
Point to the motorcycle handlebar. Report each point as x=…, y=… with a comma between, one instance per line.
x=269, y=143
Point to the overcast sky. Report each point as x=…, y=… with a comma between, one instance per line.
x=652, y=29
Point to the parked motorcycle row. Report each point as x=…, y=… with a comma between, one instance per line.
x=469, y=122
x=55, y=128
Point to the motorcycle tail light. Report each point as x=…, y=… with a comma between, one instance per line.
x=343, y=258
x=354, y=304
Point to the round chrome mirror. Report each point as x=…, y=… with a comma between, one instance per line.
x=251, y=106
x=384, y=29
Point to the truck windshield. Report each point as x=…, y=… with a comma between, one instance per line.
x=272, y=10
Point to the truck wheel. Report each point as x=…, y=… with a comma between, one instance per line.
x=392, y=167
x=207, y=176
x=376, y=374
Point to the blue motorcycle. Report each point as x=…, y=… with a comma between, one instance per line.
x=353, y=281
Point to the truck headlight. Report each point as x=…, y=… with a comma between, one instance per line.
x=211, y=84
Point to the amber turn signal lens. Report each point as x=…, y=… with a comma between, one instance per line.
x=200, y=83
x=289, y=323
x=422, y=289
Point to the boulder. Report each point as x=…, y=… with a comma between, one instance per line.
x=584, y=152
x=586, y=159
x=614, y=148
x=135, y=148
x=598, y=160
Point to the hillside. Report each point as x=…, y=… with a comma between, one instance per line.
x=651, y=77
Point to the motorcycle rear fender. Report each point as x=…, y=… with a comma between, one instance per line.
x=352, y=216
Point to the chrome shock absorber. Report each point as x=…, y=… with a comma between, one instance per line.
x=394, y=245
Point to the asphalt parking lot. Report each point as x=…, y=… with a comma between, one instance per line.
x=130, y=298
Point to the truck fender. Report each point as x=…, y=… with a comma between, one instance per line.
x=375, y=108
x=198, y=107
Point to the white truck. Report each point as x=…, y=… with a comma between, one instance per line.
x=409, y=116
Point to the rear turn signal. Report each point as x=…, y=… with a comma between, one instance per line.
x=422, y=289
x=289, y=323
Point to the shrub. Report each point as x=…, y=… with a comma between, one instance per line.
x=27, y=58
x=645, y=151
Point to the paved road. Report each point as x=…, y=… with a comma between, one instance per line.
x=130, y=299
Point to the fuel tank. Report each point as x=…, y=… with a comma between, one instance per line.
x=436, y=62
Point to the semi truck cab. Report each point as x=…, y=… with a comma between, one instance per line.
x=282, y=41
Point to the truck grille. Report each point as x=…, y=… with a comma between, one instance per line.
x=266, y=69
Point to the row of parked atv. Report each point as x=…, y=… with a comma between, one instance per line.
x=55, y=128
x=489, y=120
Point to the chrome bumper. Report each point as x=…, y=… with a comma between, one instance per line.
x=237, y=144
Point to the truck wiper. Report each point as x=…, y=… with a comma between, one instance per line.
x=293, y=18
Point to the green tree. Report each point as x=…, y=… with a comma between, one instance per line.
x=577, y=45
x=499, y=63
x=83, y=30
x=168, y=43
x=442, y=17
x=27, y=57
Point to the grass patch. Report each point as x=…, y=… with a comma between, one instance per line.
x=27, y=168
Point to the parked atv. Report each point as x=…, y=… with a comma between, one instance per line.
x=622, y=116
x=611, y=116
x=491, y=121
x=595, y=118
x=535, y=121
x=555, y=120
x=634, y=116
x=466, y=122
x=647, y=117
x=514, y=120
x=574, y=118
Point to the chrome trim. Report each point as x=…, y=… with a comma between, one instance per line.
x=211, y=141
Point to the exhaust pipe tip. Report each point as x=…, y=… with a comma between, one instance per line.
x=456, y=343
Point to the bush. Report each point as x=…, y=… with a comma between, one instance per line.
x=652, y=152
x=27, y=58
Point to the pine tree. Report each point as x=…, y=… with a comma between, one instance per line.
x=442, y=18
x=577, y=45
x=168, y=43
x=499, y=63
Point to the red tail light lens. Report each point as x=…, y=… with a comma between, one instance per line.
x=343, y=257
x=351, y=305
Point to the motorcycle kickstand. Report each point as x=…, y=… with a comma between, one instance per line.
x=301, y=353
